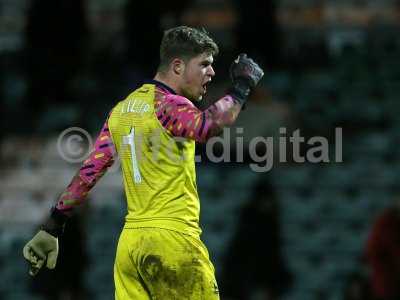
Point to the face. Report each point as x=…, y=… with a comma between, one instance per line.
x=196, y=75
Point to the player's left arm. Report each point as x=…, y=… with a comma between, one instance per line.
x=43, y=248
x=181, y=118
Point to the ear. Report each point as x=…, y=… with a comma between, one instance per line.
x=178, y=66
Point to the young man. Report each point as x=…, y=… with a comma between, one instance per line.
x=154, y=130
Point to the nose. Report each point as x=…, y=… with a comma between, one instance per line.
x=210, y=71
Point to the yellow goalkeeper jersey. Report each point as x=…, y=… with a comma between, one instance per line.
x=158, y=169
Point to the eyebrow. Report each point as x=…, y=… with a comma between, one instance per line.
x=209, y=61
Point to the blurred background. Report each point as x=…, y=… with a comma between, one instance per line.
x=300, y=231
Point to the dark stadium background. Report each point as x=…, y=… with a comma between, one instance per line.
x=296, y=232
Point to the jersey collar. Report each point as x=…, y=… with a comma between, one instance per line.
x=162, y=85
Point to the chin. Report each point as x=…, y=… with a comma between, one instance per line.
x=196, y=98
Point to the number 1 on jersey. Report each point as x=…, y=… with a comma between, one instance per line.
x=130, y=140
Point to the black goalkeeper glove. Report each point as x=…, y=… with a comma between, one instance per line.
x=245, y=74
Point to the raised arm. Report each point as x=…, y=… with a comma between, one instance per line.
x=178, y=115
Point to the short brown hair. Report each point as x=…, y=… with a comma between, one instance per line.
x=185, y=42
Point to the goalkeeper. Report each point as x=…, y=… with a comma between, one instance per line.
x=154, y=130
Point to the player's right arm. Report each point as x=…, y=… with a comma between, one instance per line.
x=179, y=116
x=43, y=248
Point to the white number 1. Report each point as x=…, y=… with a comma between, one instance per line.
x=130, y=140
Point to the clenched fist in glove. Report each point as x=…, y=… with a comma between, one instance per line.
x=245, y=73
x=41, y=249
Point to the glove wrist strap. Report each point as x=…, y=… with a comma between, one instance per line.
x=55, y=223
x=240, y=91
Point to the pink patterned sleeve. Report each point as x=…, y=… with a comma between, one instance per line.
x=92, y=169
x=181, y=118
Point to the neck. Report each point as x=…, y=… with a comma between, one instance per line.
x=173, y=84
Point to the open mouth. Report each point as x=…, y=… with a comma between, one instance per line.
x=205, y=86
